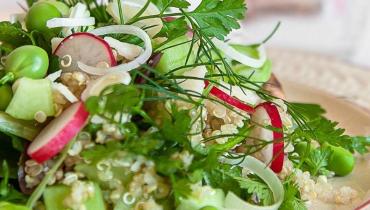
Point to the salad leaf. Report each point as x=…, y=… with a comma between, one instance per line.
x=181, y=188
x=257, y=187
x=217, y=18
x=317, y=161
x=292, y=197
x=165, y=4
x=223, y=177
x=13, y=34
x=173, y=29
x=9, y=155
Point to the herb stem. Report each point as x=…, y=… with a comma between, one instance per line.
x=122, y=21
x=41, y=187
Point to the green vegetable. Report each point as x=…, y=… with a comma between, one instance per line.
x=31, y=96
x=7, y=192
x=24, y=129
x=341, y=161
x=215, y=199
x=175, y=57
x=13, y=35
x=261, y=75
x=26, y=61
x=54, y=197
x=10, y=206
x=38, y=15
x=6, y=95
x=292, y=197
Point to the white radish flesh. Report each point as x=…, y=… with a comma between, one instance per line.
x=267, y=114
x=86, y=48
x=58, y=133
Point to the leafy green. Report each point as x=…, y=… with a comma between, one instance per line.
x=223, y=177
x=292, y=197
x=165, y=4
x=10, y=155
x=7, y=192
x=13, y=34
x=320, y=129
x=217, y=18
x=317, y=161
x=173, y=29
x=181, y=188
x=100, y=152
x=177, y=127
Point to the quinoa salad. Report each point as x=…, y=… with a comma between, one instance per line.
x=146, y=105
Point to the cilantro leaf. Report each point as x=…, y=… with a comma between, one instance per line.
x=361, y=144
x=257, y=187
x=13, y=34
x=217, y=18
x=292, y=197
x=100, y=152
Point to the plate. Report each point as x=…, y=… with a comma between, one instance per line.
x=355, y=120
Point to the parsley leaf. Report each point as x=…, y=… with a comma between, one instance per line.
x=13, y=34
x=173, y=29
x=165, y=4
x=292, y=197
x=317, y=161
x=217, y=18
x=257, y=187
x=181, y=188
x=176, y=128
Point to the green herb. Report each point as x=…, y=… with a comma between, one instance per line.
x=163, y=5
x=317, y=161
x=292, y=197
x=256, y=186
x=13, y=34
x=218, y=18
x=181, y=188
x=173, y=29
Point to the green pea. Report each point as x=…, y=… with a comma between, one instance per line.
x=6, y=95
x=209, y=208
x=300, y=148
x=26, y=61
x=38, y=15
x=341, y=161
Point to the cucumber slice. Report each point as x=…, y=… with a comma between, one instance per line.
x=24, y=129
x=175, y=57
x=54, y=198
x=261, y=75
x=31, y=96
x=214, y=199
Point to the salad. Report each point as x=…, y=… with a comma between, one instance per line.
x=145, y=105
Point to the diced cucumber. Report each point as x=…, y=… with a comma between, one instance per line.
x=214, y=199
x=30, y=97
x=24, y=129
x=175, y=57
x=54, y=197
x=260, y=75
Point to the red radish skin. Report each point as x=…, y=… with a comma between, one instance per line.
x=89, y=38
x=229, y=99
x=364, y=206
x=58, y=133
x=278, y=137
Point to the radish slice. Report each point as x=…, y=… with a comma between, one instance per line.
x=121, y=29
x=95, y=87
x=243, y=59
x=58, y=133
x=84, y=47
x=127, y=50
x=268, y=114
x=70, y=22
x=229, y=99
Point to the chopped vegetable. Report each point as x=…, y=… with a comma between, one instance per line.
x=58, y=133
x=30, y=97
